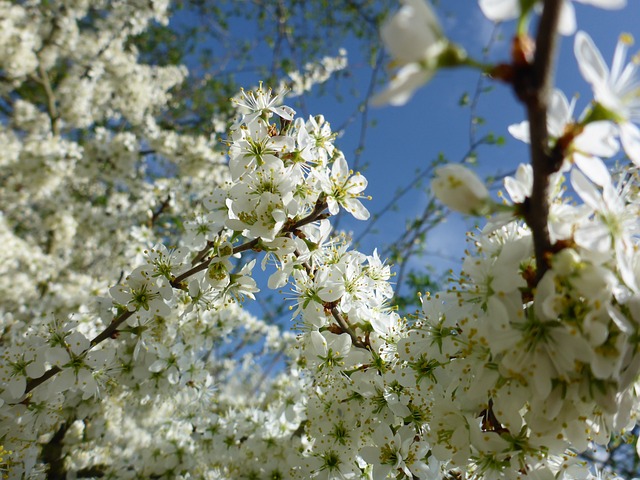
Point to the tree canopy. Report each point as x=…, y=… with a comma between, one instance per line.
x=142, y=188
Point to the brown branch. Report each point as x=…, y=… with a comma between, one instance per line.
x=202, y=253
x=34, y=382
x=533, y=84
x=177, y=282
x=316, y=214
x=52, y=454
x=111, y=329
x=159, y=211
x=344, y=325
x=108, y=332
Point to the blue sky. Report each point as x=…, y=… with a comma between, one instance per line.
x=407, y=138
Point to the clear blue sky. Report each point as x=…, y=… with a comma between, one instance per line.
x=408, y=138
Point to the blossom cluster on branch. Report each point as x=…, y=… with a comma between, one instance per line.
x=529, y=357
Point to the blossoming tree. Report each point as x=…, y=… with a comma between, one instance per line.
x=126, y=352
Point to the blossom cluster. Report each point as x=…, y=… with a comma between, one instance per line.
x=509, y=372
x=92, y=185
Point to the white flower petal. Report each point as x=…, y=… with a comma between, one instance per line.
x=319, y=343
x=599, y=139
x=606, y=4
x=459, y=189
x=587, y=191
x=592, y=66
x=355, y=208
x=630, y=137
x=593, y=168
x=500, y=10
x=412, y=32
x=520, y=131
x=567, y=25
x=402, y=86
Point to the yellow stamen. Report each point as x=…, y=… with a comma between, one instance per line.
x=626, y=38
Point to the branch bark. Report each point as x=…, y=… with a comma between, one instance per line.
x=533, y=86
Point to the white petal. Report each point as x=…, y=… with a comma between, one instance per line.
x=621, y=321
x=63, y=381
x=356, y=184
x=158, y=366
x=412, y=33
x=340, y=169
x=403, y=85
x=590, y=61
x=606, y=4
x=630, y=137
x=355, y=207
x=593, y=168
x=16, y=386
x=567, y=25
x=500, y=10
x=560, y=112
x=333, y=206
x=278, y=279
x=519, y=187
x=319, y=343
x=460, y=189
x=594, y=237
x=625, y=264
x=587, y=191
x=285, y=112
x=520, y=131
x=598, y=138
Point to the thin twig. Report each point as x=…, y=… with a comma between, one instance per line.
x=344, y=325
x=51, y=99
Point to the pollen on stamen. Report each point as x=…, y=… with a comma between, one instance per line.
x=626, y=38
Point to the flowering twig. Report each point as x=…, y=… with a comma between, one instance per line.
x=316, y=214
x=337, y=315
x=344, y=325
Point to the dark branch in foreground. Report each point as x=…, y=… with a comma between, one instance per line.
x=533, y=85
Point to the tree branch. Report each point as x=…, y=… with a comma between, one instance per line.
x=316, y=214
x=533, y=86
x=347, y=328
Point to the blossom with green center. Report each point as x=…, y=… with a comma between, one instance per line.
x=343, y=188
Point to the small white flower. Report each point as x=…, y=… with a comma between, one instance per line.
x=261, y=102
x=141, y=293
x=344, y=188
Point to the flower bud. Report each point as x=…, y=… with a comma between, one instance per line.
x=460, y=189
